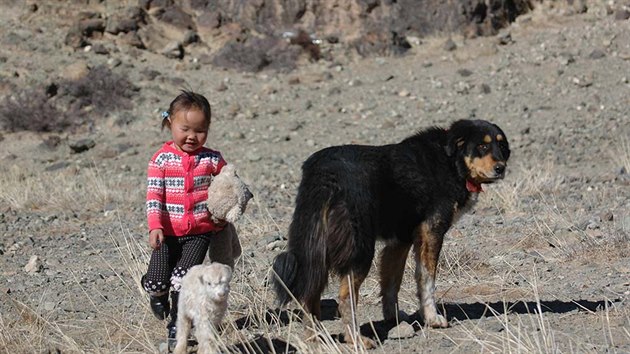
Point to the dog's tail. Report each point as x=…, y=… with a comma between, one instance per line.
x=301, y=272
x=285, y=268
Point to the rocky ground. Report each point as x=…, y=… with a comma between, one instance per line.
x=541, y=265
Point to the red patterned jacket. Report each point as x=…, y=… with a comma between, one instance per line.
x=177, y=189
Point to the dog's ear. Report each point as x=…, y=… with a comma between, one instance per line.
x=456, y=137
x=503, y=144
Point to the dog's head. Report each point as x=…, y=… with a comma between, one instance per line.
x=215, y=278
x=481, y=151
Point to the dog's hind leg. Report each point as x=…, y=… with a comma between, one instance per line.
x=393, y=259
x=312, y=306
x=348, y=299
x=427, y=247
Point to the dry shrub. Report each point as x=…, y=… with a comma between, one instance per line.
x=67, y=104
x=31, y=110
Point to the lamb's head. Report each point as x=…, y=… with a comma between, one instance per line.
x=216, y=279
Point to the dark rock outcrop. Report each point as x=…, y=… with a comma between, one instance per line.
x=253, y=35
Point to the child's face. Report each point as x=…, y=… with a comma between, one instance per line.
x=189, y=129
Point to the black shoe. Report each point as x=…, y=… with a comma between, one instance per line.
x=171, y=339
x=160, y=306
x=172, y=324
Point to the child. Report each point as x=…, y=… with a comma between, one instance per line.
x=180, y=227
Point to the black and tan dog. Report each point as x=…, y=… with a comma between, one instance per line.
x=407, y=194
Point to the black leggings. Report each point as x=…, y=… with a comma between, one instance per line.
x=171, y=262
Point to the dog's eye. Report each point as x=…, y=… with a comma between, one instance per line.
x=483, y=148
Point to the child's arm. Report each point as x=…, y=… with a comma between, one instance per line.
x=154, y=204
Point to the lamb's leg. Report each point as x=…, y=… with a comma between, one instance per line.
x=205, y=334
x=184, y=323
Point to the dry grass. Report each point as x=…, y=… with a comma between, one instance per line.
x=66, y=191
x=132, y=329
x=253, y=324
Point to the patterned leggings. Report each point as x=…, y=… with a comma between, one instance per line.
x=171, y=262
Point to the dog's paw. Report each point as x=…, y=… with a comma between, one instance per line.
x=437, y=321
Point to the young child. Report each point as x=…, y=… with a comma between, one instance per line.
x=180, y=227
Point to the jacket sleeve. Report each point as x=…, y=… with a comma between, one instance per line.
x=219, y=165
x=156, y=197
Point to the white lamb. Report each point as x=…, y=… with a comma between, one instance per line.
x=203, y=302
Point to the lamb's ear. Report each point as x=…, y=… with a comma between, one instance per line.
x=228, y=272
x=202, y=281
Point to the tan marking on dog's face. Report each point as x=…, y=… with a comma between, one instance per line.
x=500, y=137
x=487, y=139
x=481, y=169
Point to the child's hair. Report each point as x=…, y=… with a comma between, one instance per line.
x=185, y=101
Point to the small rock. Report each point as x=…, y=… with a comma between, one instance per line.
x=113, y=62
x=622, y=15
x=222, y=87
x=294, y=126
x=597, y=54
x=34, y=265
x=403, y=93
x=49, y=306
x=566, y=58
x=505, y=38
x=403, y=330
x=81, y=145
x=99, y=48
x=190, y=37
x=582, y=82
x=607, y=216
x=464, y=72
x=449, y=45
x=253, y=157
x=173, y=50
x=75, y=71
x=275, y=245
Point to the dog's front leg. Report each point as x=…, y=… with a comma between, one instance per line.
x=427, y=247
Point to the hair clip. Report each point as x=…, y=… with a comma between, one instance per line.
x=165, y=115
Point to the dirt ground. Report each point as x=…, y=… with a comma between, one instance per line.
x=542, y=263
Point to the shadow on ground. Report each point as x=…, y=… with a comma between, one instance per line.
x=378, y=330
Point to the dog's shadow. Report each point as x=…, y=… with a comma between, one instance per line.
x=379, y=330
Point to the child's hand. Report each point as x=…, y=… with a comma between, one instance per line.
x=156, y=237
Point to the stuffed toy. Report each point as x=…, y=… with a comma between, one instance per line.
x=227, y=199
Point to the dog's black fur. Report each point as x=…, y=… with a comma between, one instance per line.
x=407, y=194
